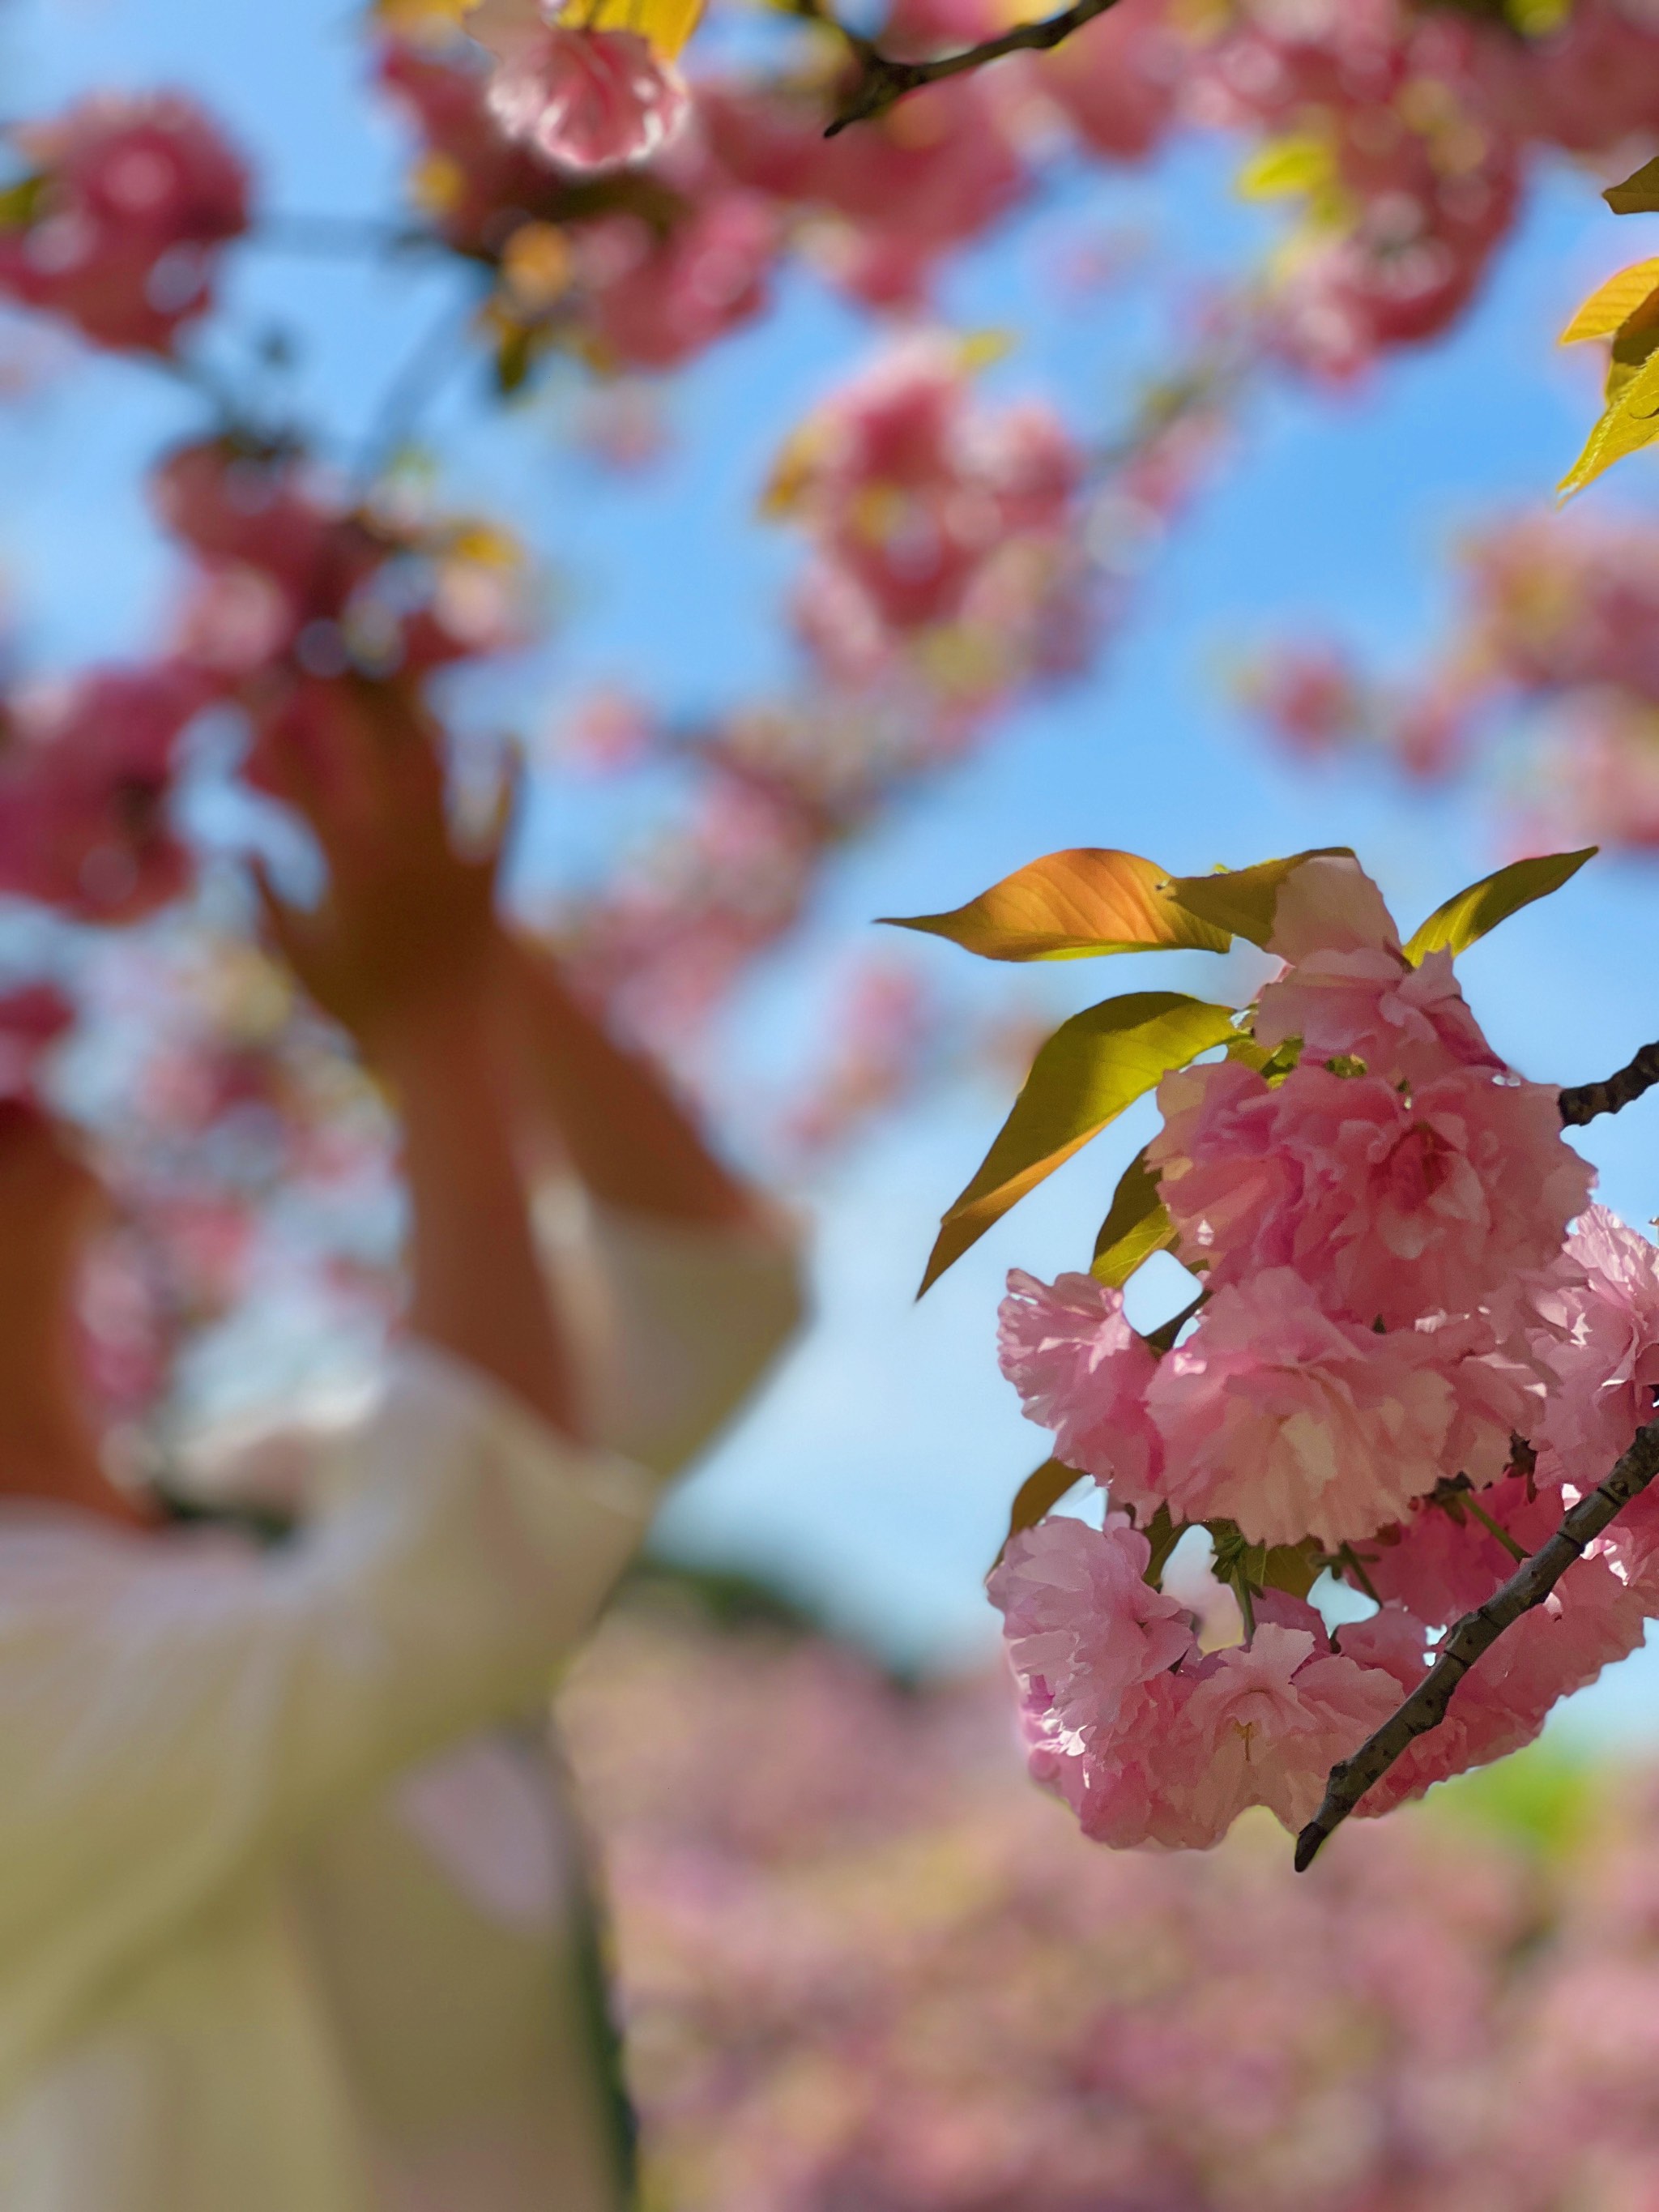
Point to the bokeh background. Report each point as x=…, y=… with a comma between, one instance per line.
x=865, y=1967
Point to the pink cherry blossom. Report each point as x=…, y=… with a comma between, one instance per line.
x=1083, y=1626
x=1401, y=1205
x=1350, y=992
x=1231, y=1190
x=1601, y=1344
x=1442, y=1561
x=1292, y=1422
x=1084, y=1372
x=1282, y=1711
x=135, y=196
x=655, y=298
x=84, y=791
x=1406, y=1023
x=583, y=99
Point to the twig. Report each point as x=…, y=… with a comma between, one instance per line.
x=1587, y=1100
x=1528, y=1586
x=352, y=236
x=881, y=80
x=415, y=384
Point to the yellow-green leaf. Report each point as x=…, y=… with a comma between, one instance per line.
x=1088, y=1071
x=1629, y=422
x=665, y=24
x=1136, y=1226
x=1462, y=920
x=1613, y=303
x=1303, y=162
x=19, y=202
x=1039, y=1493
x=1073, y=906
x=1634, y=343
x=1638, y=194
x=1243, y=900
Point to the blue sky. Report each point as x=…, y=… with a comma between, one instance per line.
x=875, y=1473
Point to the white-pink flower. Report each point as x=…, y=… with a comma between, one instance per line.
x=1083, y=1371
x=581, y=99
x=1083, y=1626
x=1294, y=1423
x=1350, y=991
x=1395, y=1204
x=1419, y=1204
x=1230, y=1188
x=1284, y=1710
x=1601, y=1343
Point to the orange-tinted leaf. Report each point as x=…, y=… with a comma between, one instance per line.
x=1613, y=303
x=1462, y=920
x=1090, y=1068
x=1073, y=906
x=1243, y=900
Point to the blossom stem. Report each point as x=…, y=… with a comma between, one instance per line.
x=881, y=80
x=1528, y=1586
x=1587, y=1100
x=1517, y=1550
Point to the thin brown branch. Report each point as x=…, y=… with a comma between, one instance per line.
x=1528, y=1586
x=1584, y=1103
x=880, y=80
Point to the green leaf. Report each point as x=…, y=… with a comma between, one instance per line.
x=1038, y=1494
x=1629, y=420
x=1137, y=1226
x=19, y=202
x=1638, y=194
x=1243, y=900
x=1090, y=1068
x=1073, y=906
x=1460, y=921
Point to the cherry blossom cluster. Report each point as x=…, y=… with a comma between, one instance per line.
x=1403, y=1362
x=941, y=529
x=296, y=601
x=857, y=1967
x=117, y=217
x=1554, y=656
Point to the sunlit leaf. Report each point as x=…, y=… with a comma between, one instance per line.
x=1638, y=194
x=1301, y=163
x=1631, y=421
x=1038, y=1494
x=1462, y=920
x=1634, y=343
x=1243, y=900
x=1091, y=1069
x=1073, y=906
x=666, y=24
x=1613, y=303
x=1136, y=1226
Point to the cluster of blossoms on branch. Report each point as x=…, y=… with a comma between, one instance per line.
x=1554, y=664
x=601, y=201
x=858, y=1967
x=1415, y=1342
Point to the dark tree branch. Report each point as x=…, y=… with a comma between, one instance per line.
x=1584, y=1103
x=880, y=80
x=1528, y=1586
